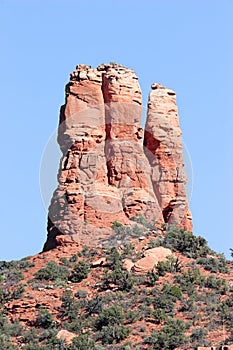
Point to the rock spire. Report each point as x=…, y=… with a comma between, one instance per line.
x=107, y=172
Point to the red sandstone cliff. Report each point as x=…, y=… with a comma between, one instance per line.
x=106, y=174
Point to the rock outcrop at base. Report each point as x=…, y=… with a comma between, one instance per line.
x=106, y=174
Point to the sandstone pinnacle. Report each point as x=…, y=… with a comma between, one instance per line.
x=110, y=169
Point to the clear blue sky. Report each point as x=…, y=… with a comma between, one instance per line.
x=185, y=45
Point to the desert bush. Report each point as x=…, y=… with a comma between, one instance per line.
x=83, y=342
x=17, y=293
x=169, y=265
x=79, y=272
x=225, y=314
x=163, y=267
x=170, y=337
x=151, y=278
x=85, y=251
x=6, y=344
x=44, y=319
x=73, y=258
x=173, y=291
x=185, y=242
x=219, y=284
x=81, y=294
x=159, y=315
x=214, y=265
x=10, y=329
x=69, y=307
x=109, y=316
x=52, y=272
x=165, y=302
x=94, y=306
x=128, y=250
x=23, y=264
x=120, y=278
x=5, y=295
x=113, y=333
x=116, y=275
x=198, y=337
x=188, y=305
x=131, y=316
x=74, y=326
x=190, y=278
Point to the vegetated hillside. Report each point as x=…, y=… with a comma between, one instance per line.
x=76, y=297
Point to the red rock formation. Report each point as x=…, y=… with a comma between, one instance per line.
x=164, y=151
x=128, y=168
x=105, y=175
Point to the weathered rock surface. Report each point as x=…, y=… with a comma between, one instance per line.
x=164, y=151
x=105, y=173
x=66, y=336
x=151, y=259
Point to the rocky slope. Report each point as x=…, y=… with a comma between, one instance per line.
x=165, y=291
x=107, y=173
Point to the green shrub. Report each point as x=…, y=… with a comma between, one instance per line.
x=173, y=291
x=185, y=242
x=165, y=302
x=84, y=251
x=152, y=278
x=5, y=295
x=113, y=333
x=12, y=329
x=17, y=293
x=75, y=326
x=225, y=314
x=128, y=250
x=120, y=278
x=83, y=342
x=94, y=306
x=170, y=337
x=65, y=261
x=116, y=225
x=44, y=319
x=81, y=294
x=79, y=272
x=112, y=315
x=198, y=337
x=190, y=278
x=169, y=265
x=52, y=271
x=152, y=244
x=73, y=258
x=117, y=276
x=6, y=344
x=163, y=267
x=219, y=284
x=12, y=277
x=159, y=315
x=214, y=265
x=131, y=316
x=69, y=307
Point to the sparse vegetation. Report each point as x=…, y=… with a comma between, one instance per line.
x=52, y=272
x=184, y=242
x=79, y=272
x=183, y=299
